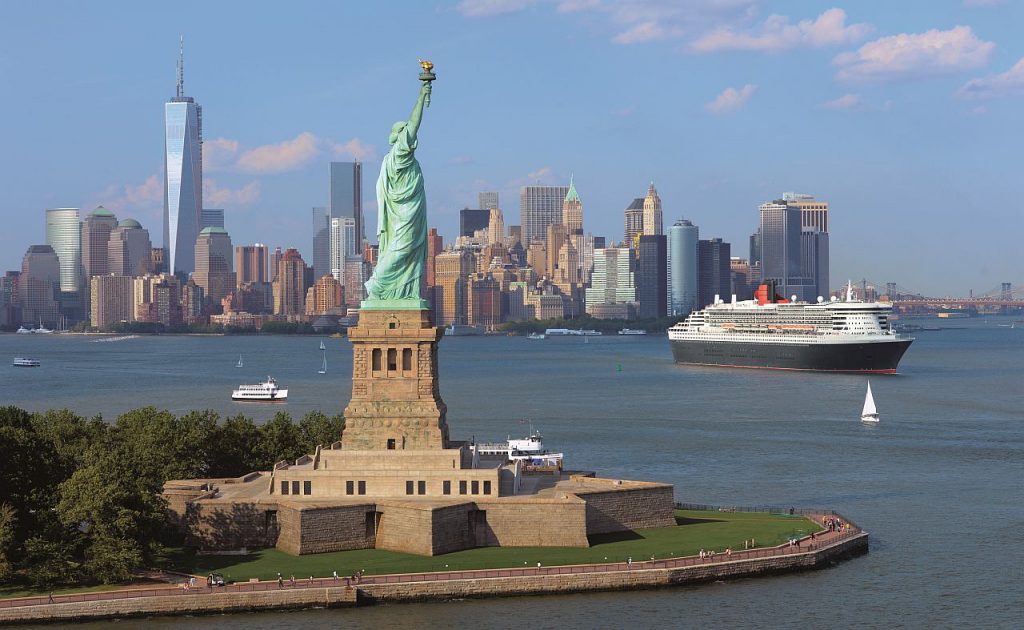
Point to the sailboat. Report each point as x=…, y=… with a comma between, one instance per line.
x=323, y=370
x=869, y=414
x=239, y=364
x=322, y=346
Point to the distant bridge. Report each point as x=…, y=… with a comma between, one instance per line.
x=1006, y=295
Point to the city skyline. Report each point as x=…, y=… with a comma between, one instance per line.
x=903, y=152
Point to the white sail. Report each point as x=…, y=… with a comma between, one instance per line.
x=869, y=404
x=322, y=346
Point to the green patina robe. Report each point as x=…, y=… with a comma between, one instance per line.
x=402, y=224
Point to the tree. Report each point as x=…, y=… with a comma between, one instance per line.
x=8, y=519
x=28, y=481
x=279, y=439
x=318, y=428
x=48, y=562
x=236, y=443
x=115, y=501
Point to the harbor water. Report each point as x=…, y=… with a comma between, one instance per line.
x=939, y=483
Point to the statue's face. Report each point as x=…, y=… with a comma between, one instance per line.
x=395, y=130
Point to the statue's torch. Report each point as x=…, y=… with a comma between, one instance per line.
x=427, y=76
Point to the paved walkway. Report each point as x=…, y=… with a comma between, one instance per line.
x=803, y=545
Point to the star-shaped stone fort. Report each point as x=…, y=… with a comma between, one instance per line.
x=396, y=481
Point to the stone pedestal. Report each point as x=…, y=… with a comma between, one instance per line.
x=396, y=403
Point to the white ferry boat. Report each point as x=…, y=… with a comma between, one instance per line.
x=771, y=332
x=632, y=331
x=267, y=391
x=530, y=450
x=21, y=362
x=571, y=332
x=462, y=330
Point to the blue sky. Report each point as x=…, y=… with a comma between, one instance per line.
x=906, y=116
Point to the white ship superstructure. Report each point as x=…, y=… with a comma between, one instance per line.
x=267, y=391
x=837, y=335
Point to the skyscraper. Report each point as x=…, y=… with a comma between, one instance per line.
x=321, y=242
x=95, y=235
x=129, y=250
x=488, y=200
x=613, y=280
x=813, y=212
x=714, y=273
x=634, y=221
x=451, y=271
x=572, y=210
x=289, y=287
x=211, y=217
x=780, y=244
x=539, y=207
x=183, y=175
x=64, y=235
x=213, y=264
x=814, y=265
x=473, y=219
x=652, y=215
x=651, y=276
x=347, y=195
x=496, y=226
x=435, y=245
x=39, y=286
x=682, y=243
x=344, y=246
x=112, y=300
x=251, y=264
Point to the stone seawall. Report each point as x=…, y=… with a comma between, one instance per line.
x=444, y=587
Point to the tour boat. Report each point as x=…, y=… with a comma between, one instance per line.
x=462, y=330
x=266, y=391
x=530, y=450
x=632, y=331
x=20, y=362
x=870, y=413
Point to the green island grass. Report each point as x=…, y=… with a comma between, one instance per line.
x=695, y=530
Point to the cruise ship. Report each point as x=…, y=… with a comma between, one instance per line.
x=771, y=332
x=266, y=391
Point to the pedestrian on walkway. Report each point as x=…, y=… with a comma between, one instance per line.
x=335, y=575
x=629, y=562
x=49, y=598
x=291, y=581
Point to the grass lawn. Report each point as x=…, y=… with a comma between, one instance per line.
x=695, y=530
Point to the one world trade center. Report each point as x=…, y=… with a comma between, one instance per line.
x=183, y=176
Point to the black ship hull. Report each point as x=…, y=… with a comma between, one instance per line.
x=879, y=357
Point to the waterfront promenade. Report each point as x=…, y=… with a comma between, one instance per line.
x=806, y=553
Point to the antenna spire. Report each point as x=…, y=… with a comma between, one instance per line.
x=181, y=68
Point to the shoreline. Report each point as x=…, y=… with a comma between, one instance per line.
x=824, y=552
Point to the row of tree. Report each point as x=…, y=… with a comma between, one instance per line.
x=80, y=497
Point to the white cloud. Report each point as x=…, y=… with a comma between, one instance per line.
x=646, y=32
x=355, y=149
x=731, y=99
x=144, y=201
x=215, y=196
x=487, y=8
x=1009, y=83
x=778, y=34
x=219, y=153
x=913, y=55
x=846, y=101
x=283, y=156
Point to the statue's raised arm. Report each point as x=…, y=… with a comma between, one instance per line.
x=401, y=216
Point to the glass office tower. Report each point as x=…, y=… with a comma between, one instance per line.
x=183, y=177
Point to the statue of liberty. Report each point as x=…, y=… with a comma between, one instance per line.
x=401, y=216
